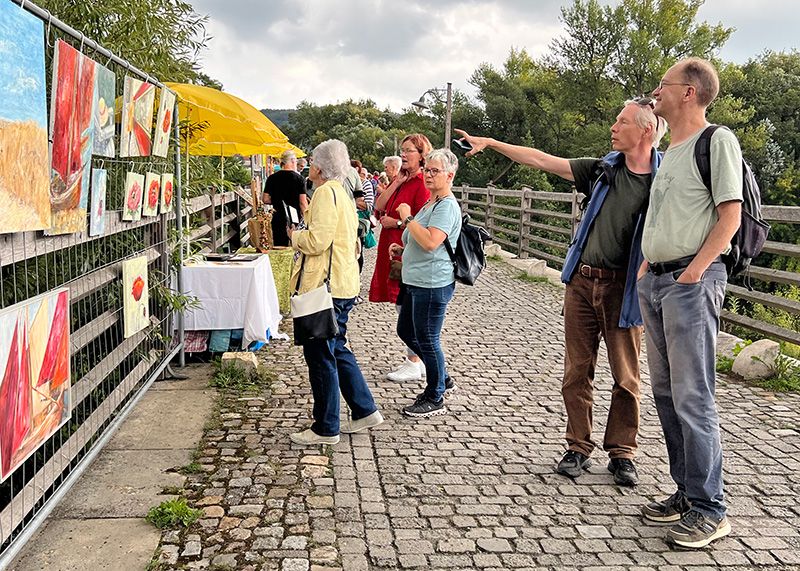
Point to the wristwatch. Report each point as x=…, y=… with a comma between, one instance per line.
x=399, y=223
x=408, y=219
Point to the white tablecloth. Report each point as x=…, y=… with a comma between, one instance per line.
x=234, y=295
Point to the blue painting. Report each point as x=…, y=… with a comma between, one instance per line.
x=24, y=160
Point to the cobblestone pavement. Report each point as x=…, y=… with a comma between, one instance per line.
x=474, y=489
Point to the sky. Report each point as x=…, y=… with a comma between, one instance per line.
x=278, y=53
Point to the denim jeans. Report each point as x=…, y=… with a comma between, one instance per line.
x=681, y=325
x=332, y=367
x=420, y=327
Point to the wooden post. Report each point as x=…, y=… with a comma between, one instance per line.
x=464, y=199
x=210, y=216
x=525, y=205
x=489, y=207
x=576, y=200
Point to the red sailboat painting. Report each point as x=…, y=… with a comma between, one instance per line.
x=35, y=388
x=137, y=118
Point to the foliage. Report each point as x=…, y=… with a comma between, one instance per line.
x=725, y=364
x=232, y=377
x=172, y=514
x=785, y=374
x=531, y=279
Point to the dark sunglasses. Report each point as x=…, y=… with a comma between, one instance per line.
x=646, y=102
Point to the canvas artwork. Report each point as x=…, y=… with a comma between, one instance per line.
x=137, y=118
x=72, y=133
x=35, y=387
x=166, y=193
x=152, y=184
x=135, y=296
x=24, y=160
x=134, y=189
x=164, y=123
x=97, y=212
x=104, y=97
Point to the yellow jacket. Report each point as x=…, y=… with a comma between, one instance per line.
x=328, y=223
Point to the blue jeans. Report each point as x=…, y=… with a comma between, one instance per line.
x=681, y=324
x=332, y=367
x=420, y=327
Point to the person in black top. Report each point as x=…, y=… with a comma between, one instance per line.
x=285, y=188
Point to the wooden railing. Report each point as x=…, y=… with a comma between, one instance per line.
x=541, y=225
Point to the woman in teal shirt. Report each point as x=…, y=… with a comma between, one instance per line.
x=428, y=277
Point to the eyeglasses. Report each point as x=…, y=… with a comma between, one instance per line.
x=662, y=83
x=408, y=151
x=432, y=172
x=645, y=102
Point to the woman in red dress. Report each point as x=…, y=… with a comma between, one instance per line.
x=407, y=187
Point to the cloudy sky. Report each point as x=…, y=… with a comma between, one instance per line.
x=277, y=53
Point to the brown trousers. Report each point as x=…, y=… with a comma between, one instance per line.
x=591, y=311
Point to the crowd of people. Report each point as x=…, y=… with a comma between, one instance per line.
x=646, y=259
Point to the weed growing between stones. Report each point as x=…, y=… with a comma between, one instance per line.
x=725, y=364
x=531, y=279
x=494, y=258
x=231, y=377
x=172, y=514
x=191, y=468
x=785, y=374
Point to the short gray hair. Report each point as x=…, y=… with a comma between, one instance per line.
x=645, y=117
x=393, y=159
x=332, y=160
x=287, y=156
x=446, y=157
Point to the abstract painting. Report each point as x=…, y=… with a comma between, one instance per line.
x=24, y=160
x=166, y=193
x=35, y=387
x=135, y=296
x=104, y=96
x=152, y=184
x=134, y=188
x=72, y=133
x=97, y=212
x=164, y=122
x=137, y=118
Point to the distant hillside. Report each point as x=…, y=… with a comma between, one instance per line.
x=278, y=116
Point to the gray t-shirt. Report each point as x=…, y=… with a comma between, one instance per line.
x=608, y=244
x=682, y=211
x=432, y=269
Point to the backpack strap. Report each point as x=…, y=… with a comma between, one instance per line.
x=702, y=154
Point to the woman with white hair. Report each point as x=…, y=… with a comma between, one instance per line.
x=329, y=244
x=428, y=277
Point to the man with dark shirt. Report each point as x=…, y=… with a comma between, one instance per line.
x=285, y=188
x=600, y=273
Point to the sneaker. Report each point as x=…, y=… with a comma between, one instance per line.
x=449, y=386
x=308, y=438
x=668, y=510
x=696, y=530
x=624, y=471
x=350, y=426
x=423, y=407
x=408, y=371
x=573, y=464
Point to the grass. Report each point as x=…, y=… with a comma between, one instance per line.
x=495, y=258
x=725, y=364
x=531, y=279
x=785, y=375
x=171, y=514
x=232, y=377
x=192, y=468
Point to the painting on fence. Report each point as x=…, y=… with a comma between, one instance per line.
x=24, y=161
x=166, y=192
x=137, y=118
x=97, y=211
x=35, y=386
x=134, y=189
x=72, y=133
x=164, y=123
x=152, y=184
x=136, y=313
x=104, y=97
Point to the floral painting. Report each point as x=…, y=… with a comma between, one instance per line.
x=137, y=118
x=166, y=192
x=134, y=189
x=164, y=123
x=104, y=97
x=97, y=210
x=135, y=296
x=152, y=185
x=72, y=135
x=24, y=162
x=35, y=367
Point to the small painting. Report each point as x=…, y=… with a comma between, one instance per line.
x=152, y=185
x=24, y=155
x=104, y=96
x=72, y=135
x=166, y=193
x=164, y=123
x=134, y=189
x=97, y=212
x=35, y=366
x=137, y=118
x=135, y=295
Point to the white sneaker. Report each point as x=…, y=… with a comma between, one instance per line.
x=352, y=426
x=407, y=371
x=308, y=438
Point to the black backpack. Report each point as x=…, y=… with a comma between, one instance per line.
x=749, y=239
x=469, y=259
